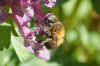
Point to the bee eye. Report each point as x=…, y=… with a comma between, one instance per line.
x=50, y=20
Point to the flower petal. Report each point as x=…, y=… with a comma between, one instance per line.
x=44, y=53
x=27, y=16
x=3, y=15
x=49, y=3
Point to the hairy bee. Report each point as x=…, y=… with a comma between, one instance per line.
x=56, y=32
x=51, y=35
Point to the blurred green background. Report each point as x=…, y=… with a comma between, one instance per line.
x=81, y=47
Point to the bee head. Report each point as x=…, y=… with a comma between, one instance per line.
x=50, y=20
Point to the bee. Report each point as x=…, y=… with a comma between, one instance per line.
x=53, y=33
x=56, y=32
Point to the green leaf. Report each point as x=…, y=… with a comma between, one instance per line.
x=4, y=57
x=60, y=2
x=5, y=35
x=84, y=10
x=96, y=5
x=80, y=55
x=84, y=37
x=77, y=11
x=79, y=8
x=18, y=45
x=94, y=39
x=71, y=36
x=8, y=57
x=68, y=7
x=38, y=62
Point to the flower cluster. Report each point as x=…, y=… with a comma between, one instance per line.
x=22, y=11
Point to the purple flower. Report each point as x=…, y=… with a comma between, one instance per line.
x=28, y=14
x=39, y=50
x=25, y=3
x=2, y=3
x=38, y=13
x=49, y=3
x=23, y=11
x=44, y=53
x=3, y=14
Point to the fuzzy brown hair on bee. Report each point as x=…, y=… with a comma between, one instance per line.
x=56, y=32
x=57, y=35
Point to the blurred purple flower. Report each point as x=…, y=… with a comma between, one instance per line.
x=23, y=11
x=49, y=3
x=44, y=53
x=28, y=14
x=3, y=14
